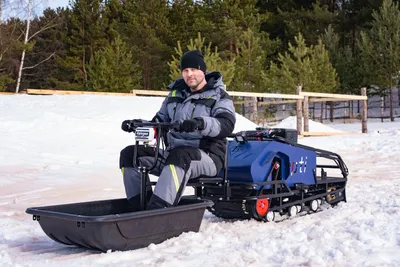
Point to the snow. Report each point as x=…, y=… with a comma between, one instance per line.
x=63, y=149
x=291, y=123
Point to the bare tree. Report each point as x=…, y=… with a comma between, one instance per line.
x=21, y=65
x=18, y=8
x=27, y=39
x=10, y=35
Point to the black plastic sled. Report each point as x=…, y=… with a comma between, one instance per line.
x=115, y=225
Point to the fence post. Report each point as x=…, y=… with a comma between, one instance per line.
x=255, y=110
x=305, y=114
x=364, y=113
x=321, y=117
x=298, y=112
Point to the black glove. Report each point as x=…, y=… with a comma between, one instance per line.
x=128, y=125
x=191, y=125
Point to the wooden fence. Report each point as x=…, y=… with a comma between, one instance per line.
x=301, y=99
x=302, y=109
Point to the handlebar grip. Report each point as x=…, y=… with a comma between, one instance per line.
x=164, y=125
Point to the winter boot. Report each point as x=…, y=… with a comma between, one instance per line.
x=134, y=202
x=157, y=203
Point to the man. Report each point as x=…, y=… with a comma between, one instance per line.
x=206, y=112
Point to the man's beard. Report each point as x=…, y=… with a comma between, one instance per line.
x=193, y=87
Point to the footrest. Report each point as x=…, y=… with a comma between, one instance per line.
x=206, y=180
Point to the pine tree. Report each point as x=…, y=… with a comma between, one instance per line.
x=4, y=81
x=380, y=47
x=250, y=64
x=145, y=28
x=113, y=69
x=85, y=36
x=231, y=18
x=235, y=30
x=182, y=16
x=9, y=52
x=285, y=19
x=346, y=63
x=212, y=59
x=326, y=79
x=354, y=16
x=309, y=22
x=307, y=66
x=174, y=65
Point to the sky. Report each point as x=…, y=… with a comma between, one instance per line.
x=57, y=3
x=14, y=8
x=65, y=149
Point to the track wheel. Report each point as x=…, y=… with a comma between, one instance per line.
x=299, y=208
x=262, y=206
x=270, y=217
x=314, y=205
x=292, y=211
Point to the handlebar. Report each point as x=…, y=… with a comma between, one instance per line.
x=160, y=128
x=163, y=125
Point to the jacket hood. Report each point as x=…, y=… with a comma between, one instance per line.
x=214, y=81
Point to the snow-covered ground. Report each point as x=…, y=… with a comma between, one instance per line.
x=63, y=149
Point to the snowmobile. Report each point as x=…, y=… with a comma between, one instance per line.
x=265, y=172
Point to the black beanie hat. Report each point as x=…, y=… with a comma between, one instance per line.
x=193, y=59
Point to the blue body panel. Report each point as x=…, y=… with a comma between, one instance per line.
x=252, y=162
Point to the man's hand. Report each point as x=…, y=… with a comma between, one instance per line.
x=196, y=124
x=128, y=125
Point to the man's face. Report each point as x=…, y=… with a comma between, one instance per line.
x=194, y=78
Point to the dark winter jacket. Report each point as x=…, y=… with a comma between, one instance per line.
x=212, y=103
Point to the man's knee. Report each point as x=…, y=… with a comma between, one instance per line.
x=183, y=156
x=126, y=155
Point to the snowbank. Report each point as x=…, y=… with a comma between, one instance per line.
x=291, y=123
